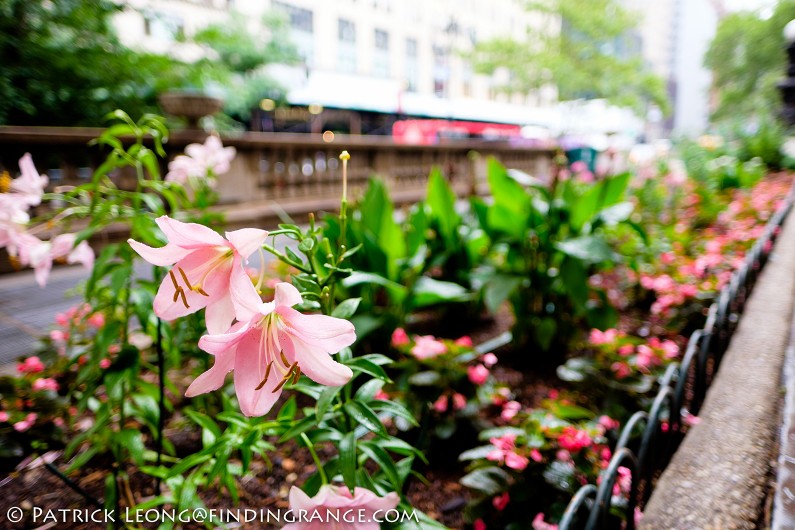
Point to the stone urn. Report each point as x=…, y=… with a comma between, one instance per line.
x=190, y=105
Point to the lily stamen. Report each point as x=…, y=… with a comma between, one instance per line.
x=267, y=374
x=178, y=290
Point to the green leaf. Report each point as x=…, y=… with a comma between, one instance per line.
x=428, y=291
x=441, y=201
x=365, y=416
x=590, y=249
x=206, y=423
x=497, y=289
x=326, y=398
x=394, y=409
x=544, y=332
x=428, y=378
x=346, y=308
x=396, y=291
x=367, y=391
x=358, y=364
x=618, y=213
x=132, y=440
x=309, y=422
x=489, y=481
x=378, y=455
x=348, y=459
x=575, y=280
x=577, y=369
x=306, y=245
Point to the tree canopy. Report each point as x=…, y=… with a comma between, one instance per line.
x=747, y=59
x=61, y=63
x=586, y=51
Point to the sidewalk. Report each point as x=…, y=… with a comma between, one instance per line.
x=27, y=311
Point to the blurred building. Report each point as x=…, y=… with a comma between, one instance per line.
x=399, y=56
x=674, y=37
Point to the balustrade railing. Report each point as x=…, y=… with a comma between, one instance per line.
x=282, y=166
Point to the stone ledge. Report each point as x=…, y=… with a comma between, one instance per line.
x=719, y=476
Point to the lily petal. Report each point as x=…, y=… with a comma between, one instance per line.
x=324, y=332
x=219, y=314
x=189, y=235
x=286, y=295
x=249, y=374
x=315, y=362
x=163, y=256
x=247, y=240
x=218, y=344
x=245, y=299
x=187, y=301
x=213, y=379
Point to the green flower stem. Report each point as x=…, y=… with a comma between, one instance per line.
x=315, y=457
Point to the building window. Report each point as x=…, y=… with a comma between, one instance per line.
x=381, y=54
x=441, y=71
x=164, y=27
x=346, y=31
x=346, y=53
x=412, y=65
x=381, y=40
x=301, y=30
x=411, y=48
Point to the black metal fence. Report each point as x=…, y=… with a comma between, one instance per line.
x=649, y=438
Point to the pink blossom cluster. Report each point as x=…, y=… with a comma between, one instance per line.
x=78, y=319
x=201, y=162
x=21, y=243
x=505, y=452
x=625, y=355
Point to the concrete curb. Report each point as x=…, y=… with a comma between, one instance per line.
x=718, y=477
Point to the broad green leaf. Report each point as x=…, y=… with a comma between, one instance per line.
x=590, y=249
x=489, y=481
x=347, y=308
x=497, y=289
x=394, y=409
x=365, y=416
x=428, y=291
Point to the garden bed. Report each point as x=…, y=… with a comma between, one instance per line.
x=600, y=280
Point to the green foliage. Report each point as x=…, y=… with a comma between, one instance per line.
x=241, y=56
x=585, y=50
x=546, y=244
x=63, y=64
x=747, y=60
x=392, y=272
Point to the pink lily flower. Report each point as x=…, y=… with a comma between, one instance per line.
x=40, y=254
x=208, y=271
x=335, y=507
x=29, y=184
x=271, y=345
x=200, y=161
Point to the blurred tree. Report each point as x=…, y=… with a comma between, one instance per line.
x=62, y=64
x=586, y=51
x=239, y=57
x=747, y=58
